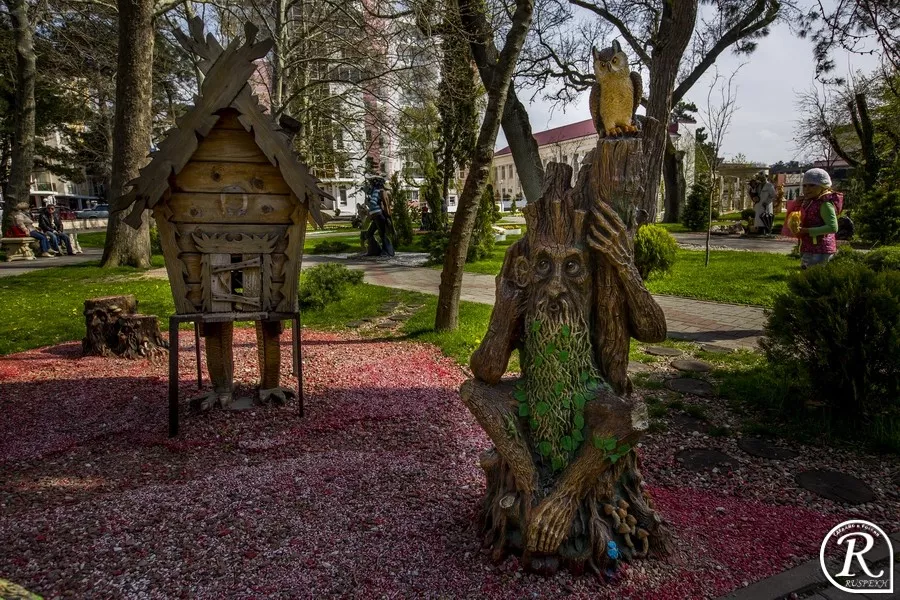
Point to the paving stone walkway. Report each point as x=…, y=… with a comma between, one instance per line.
x=808, y=581
x=20, y=267
x=727, y=325
x=773, y=245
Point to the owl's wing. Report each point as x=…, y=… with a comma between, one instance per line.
x=638, y=84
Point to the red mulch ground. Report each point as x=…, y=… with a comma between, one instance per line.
x=374, y=494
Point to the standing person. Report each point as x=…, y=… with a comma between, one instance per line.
x=766, y=193
x=51, y=225
x=753, y=191
x=23, y=226
x=426, y=217
x=378, y=203
x=819, y=207
x=779, y=199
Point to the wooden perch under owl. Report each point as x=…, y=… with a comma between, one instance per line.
x=616, y=94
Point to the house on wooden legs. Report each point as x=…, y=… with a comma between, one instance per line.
x=229, y=196
x=231, y=201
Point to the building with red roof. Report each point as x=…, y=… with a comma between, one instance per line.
x=569, y=144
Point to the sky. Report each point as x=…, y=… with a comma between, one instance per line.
x=764, y=122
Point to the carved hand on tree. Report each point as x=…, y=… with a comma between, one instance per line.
x=608, y=416
x=608, y=236
x=550, y=522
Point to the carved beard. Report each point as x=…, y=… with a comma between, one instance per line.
x=564, y=309
x=560, y=372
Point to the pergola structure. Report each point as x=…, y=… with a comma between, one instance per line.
x=732, y=184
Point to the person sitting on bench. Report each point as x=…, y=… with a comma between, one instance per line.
x=51, y=225
x=23, y=226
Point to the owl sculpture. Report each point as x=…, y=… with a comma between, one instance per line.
x=616, y=94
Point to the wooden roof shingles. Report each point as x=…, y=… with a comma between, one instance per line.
x=227, y=72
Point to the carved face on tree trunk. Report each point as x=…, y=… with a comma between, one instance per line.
x=559, y=284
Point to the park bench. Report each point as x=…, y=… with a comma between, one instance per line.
x=17, y=248
x=23, y=248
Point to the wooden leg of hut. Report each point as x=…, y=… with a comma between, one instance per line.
x=173, y=378
x=268, y=339
x=220, y=363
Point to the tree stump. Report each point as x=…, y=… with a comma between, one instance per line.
x=115, y=329
x=564, y=489
x=138, y=336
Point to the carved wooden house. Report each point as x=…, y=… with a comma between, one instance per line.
x=229, y=196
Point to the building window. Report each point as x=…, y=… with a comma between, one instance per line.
x=452, y=200
x=564, y=157
x=575, y=160
x=343, y=194
x=414, y=195
x=368, y=136
x=383, y=168
x=496, y=174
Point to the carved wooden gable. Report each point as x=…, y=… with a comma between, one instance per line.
x=233, y=224
x=229, y=195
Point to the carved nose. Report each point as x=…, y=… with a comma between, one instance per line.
x=555, y=288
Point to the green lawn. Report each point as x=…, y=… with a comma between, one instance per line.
x=732, y=276
x=674, y=227
x=45, y=307
x=492, y=264
x=92, y=240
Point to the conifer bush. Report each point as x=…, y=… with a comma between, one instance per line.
x=654, y=250
x=837, y=330
x=400, y=212
x=326, y=283
x=695, y=215
x=482, y=242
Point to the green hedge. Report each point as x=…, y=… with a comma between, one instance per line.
x=327, y=283
x=654, y=250
x=837, y=333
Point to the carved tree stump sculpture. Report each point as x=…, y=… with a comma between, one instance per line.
x=114, y=328
x=563, y=486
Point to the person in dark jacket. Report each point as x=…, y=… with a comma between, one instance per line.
x=378, y=201
x=51, y=225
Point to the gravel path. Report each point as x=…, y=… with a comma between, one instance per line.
x=374, y=494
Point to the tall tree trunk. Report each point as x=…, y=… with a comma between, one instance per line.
x=524, y=148
x=447, y=168
x=22, y=158
x=278, y=59
x=516, y=126
x=670, y=181
x=5, y=151
x=198, y=72
x=475, y=25
x=132, y=131
x=676, y=27
x=862, y=123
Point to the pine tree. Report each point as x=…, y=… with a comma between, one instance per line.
x=482, y=242
x=403, y=225
x=696, y=213
x=430, y=194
